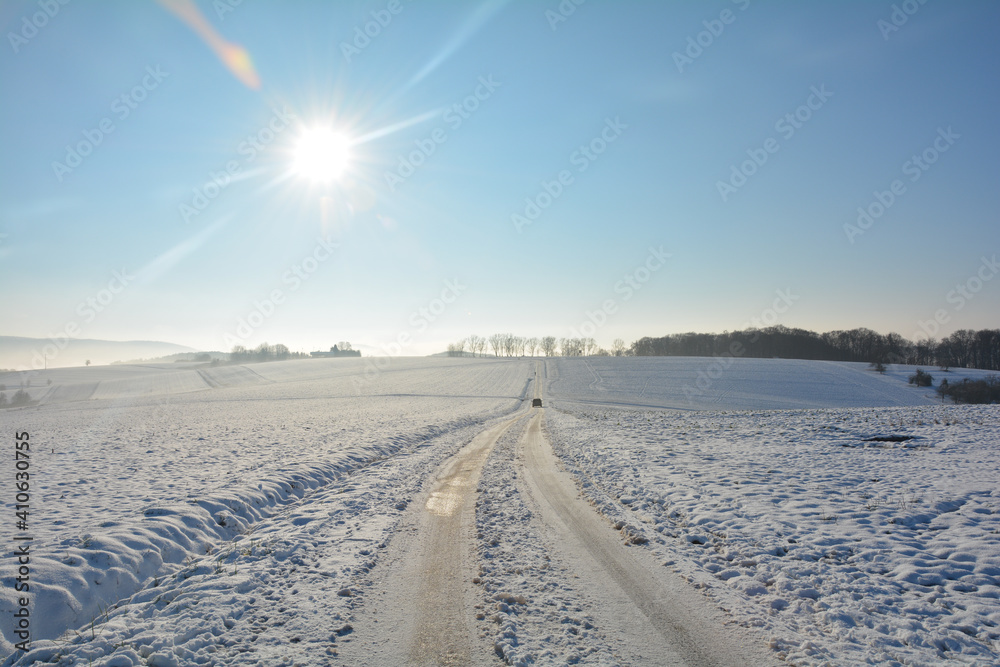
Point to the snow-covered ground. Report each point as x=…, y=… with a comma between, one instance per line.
x=851, y=536
x=531, y=606
x=163, y=490
x=229, y=515
x=733, y=383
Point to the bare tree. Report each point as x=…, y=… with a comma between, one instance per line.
x=474, y=344
x=509, y=344
x=618, y=347
x=532, y=345
x=496, y=342
x=344, y=346
x=548, y=345
x=520, y=343
x=571, y=347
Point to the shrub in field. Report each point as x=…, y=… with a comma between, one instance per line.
x=921, y=379
x=20, y=398
x=972, y=391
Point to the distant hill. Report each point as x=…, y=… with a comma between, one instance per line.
x=17, y=352
x=179, y=357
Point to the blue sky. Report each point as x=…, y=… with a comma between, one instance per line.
x=438, y=255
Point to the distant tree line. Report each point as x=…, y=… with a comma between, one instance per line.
x=963, y=349
x=263, y=352
x=199, y=357
x=509, y=345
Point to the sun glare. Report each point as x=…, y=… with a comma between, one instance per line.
x=322, y=155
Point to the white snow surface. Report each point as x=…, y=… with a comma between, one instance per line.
x=734, y=383
x=168, y=493
x=845, y=542
x=226, y=515
x=530, y=606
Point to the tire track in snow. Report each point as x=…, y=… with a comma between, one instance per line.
x=598, y=380
x=212, y=384
x=423, y=604
x=659, y=619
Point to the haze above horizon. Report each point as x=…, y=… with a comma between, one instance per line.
x=220, y=173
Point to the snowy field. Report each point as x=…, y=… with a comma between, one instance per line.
x=728, y=383
x=229, y=515
x=851, y=536
x=157, y=477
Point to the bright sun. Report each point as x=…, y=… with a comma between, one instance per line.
x=322, y=155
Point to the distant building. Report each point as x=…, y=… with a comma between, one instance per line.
x=336, y=352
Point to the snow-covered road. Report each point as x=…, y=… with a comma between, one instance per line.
x=317, y=513
x=653, y=616
x=422, y=598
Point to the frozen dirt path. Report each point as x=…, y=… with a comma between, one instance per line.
x=656, y=616
x=420, y=610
